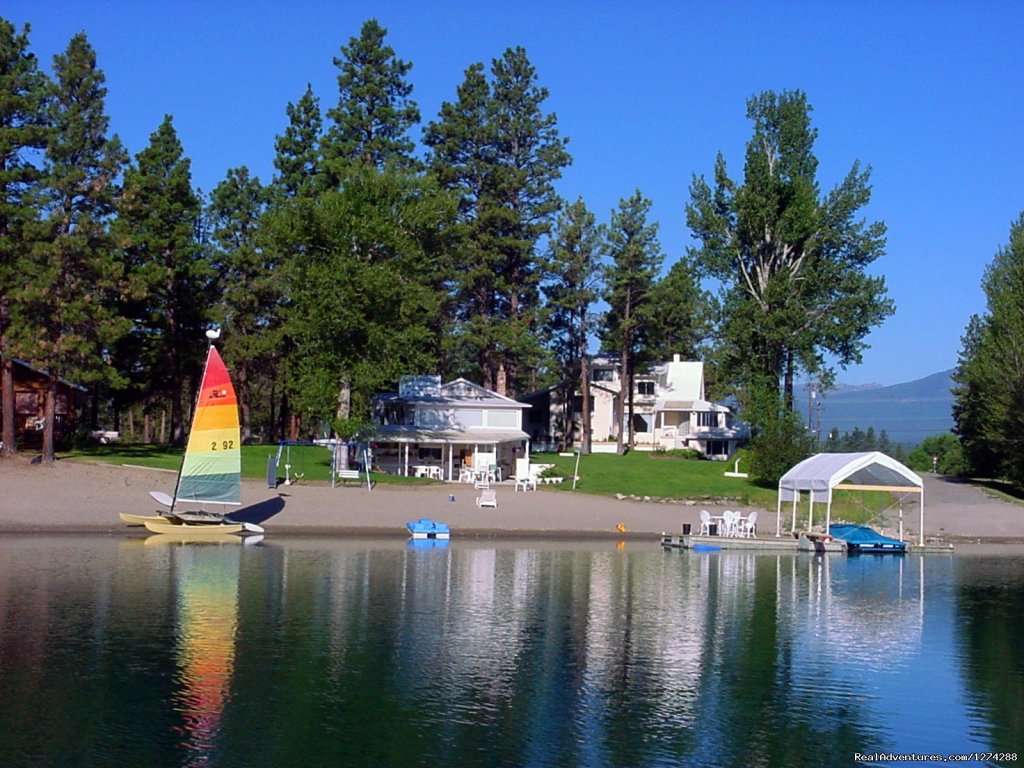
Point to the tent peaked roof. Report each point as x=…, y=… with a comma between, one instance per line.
x=824, y=471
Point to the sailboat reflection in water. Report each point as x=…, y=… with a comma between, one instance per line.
x=207, y=602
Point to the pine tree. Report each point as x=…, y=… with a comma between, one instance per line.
x=374, y=112
x=636, y=257
x=501, y=153
x=170, y=279
x=573, y=273
x=72, y=276
x=298, y=160
x=250, y=285
x=678, y=317
x=23, y=132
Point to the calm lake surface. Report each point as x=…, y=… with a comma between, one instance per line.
x=484, y=653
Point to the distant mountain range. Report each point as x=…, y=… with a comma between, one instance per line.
x=908, y=412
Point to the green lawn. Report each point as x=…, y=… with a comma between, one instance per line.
x=642, y=473
x=311, y=463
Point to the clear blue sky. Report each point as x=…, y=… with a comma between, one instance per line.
x=929, y=94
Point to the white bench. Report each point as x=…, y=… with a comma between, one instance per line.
x=344, y=475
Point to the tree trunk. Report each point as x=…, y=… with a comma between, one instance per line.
x=49, y=414
x=788, y=386
x=620, y=399
x=244, y=414
x=501, y=380
x=7, y=398
x=587, y=426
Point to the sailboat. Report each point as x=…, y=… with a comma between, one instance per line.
x=211, y=471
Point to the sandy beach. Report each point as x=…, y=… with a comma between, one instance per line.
x=84, y=497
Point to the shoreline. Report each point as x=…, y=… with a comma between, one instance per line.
x=79, y=497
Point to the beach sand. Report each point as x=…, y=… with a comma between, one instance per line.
x=84, y=497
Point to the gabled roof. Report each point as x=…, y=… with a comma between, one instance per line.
x=824, y=471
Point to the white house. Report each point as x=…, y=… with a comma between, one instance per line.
x=669, y=410
x=437, y=429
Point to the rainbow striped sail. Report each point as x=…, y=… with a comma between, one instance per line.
x=212, y=470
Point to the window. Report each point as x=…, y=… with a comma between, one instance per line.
x=603, y=374
x=707, y=419
x=469, y=417
x=431, y=418
x=506, y=419
x=645, y=388
x=717, y=448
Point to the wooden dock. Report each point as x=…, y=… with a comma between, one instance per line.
x=805, y=541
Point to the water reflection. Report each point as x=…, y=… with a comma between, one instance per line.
x=378, y=653
x=206, y=587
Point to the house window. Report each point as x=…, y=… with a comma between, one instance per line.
x=707, y=419
x=428, y=454
x=503, y=419
x=645, y=388
x=432, y=418
x=717, y=448
x=469, y=417
x=603, y=374
x=642, y=422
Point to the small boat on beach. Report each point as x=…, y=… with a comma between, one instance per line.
x=862, y=540
x=425, y=528
x=211, y=469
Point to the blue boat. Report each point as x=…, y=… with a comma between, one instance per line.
x=863, y=540
x=425, y=528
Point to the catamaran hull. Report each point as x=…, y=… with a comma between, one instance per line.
x=181, y=529
x=130, y=519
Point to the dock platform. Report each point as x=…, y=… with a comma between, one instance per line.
x=805, y=542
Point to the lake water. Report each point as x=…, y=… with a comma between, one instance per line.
x=481, y=653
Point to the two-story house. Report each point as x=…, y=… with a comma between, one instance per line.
x=669, y=411
x=437, y=429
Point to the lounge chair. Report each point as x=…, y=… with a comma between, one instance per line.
x=488, y=498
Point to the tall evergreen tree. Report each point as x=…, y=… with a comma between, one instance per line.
x=573, y=272
x=369, y=263
x=297, y=160
x=170, y=278
x=71, y=279
x=251, y=288
x=791, y=262
x=502, y=154
x=678, y=317
x=636, y=257
x=989, y=393
x=23, y=131
x=374, y=112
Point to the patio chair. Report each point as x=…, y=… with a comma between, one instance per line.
x=488, y=498
x=705, y=523
x=730, y=522
x=748, y=527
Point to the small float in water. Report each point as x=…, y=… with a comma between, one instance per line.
x=867, y=541
x=425, y=528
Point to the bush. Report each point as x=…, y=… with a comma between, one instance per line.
x=690, y=454
x=781, y=444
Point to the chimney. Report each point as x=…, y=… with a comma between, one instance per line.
x=675, y=358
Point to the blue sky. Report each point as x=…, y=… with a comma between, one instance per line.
x=929, y=94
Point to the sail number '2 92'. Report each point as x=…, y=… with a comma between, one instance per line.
x=227, y=445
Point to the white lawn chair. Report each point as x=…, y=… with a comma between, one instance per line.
x=748, y=527
x=705, y=523
x=488, y=498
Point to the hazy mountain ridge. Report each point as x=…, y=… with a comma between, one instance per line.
x=908, y=412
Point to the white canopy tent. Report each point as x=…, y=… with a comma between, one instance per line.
x=822, y=473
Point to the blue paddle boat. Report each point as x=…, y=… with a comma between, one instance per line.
x=425, y=528
x=863, y=540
